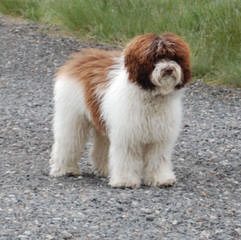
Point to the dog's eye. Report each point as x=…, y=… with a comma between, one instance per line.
x=160, y=58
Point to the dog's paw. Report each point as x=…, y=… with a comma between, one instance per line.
x=101, y=172
x=164, y=181
x=125, y=183
x=58, y=172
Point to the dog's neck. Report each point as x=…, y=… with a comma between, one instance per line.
x=127, y=89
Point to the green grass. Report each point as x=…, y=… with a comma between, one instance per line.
x=211, y=27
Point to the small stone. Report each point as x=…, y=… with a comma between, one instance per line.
x=157, y=212
x=49, y=237
x=67, y=235
x=146, y=210
x=238, y=231
x=134, y=203
x=27, y=232
x=204, y=234
x=174, y=222
x=203, y=194
x=122, y=195
x=120, y=209
x=213, y=217
x=218, y=231
x=22, y=236
x=150, y=218
x=94, y=228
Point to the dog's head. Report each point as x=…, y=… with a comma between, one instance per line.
x=158, y=62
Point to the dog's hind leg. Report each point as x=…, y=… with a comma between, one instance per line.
x=70, y=126
x=99, y=154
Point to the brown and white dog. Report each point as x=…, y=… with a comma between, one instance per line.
x=132, y=102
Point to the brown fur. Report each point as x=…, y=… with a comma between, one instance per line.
x=144, y=51
x=91, y=67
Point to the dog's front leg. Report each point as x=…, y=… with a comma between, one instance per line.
x=125, y=165
x=158, y=166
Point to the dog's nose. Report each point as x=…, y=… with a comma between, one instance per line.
x=168, y=70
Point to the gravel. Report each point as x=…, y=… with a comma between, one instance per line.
x=204, y=204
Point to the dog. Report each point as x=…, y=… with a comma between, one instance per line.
x=131, y=101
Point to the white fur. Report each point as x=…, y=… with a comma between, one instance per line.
x=164, y=82
x=71, y=127
x=142, y=127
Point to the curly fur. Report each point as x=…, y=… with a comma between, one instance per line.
x=131, y=101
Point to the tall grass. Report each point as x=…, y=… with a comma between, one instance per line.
x=30, y=9
x=211, y=27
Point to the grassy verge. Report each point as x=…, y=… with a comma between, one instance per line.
x=211, y=27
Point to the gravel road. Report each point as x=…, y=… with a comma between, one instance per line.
x=204, y=204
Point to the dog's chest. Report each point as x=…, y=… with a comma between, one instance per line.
x=147, y=121
x=154, y=121
x=130, y=113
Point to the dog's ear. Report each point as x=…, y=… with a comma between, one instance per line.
x=139, y=60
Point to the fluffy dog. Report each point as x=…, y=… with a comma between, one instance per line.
x=131, y=100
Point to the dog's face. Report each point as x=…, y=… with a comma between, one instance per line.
x=166, y=76
x=158, y=62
